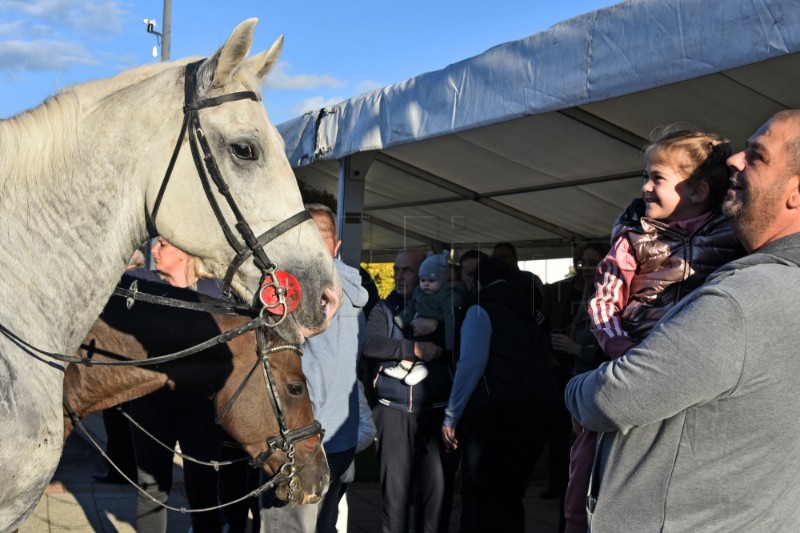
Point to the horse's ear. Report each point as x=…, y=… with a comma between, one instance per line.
x=217, y=71
x=261, y=64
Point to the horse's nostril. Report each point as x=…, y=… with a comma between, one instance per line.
x=330, y=302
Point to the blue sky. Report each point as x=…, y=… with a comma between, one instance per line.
x=333, y=50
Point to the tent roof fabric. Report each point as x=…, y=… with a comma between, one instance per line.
x=538, y=141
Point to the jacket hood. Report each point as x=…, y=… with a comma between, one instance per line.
x=351, y=283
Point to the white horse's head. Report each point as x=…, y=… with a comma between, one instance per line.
x=249, y=154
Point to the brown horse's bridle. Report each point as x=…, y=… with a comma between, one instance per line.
x=206, y=165
x=287, y=438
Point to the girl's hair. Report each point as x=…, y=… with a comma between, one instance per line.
x=698, y=155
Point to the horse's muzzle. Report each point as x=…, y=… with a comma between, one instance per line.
x=330, y=301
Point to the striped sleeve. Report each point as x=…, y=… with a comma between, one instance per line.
x=612, y=286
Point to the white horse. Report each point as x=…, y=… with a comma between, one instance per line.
x=79, y=177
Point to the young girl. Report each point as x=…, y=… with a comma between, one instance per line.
x=665, y=245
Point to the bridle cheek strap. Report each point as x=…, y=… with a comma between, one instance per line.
x=269, y=235
x=207, y=166
x=286, y=438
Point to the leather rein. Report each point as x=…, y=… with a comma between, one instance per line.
x=286, y=439
x=251, y=245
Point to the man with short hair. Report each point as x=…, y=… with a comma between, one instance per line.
x=330, y=362
x=530, y=284
x=408, y=417
x=468, y=265
x=699, y=417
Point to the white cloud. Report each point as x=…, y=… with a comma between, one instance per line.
x=43, y=55
x=367, y=86
x=280, y=79
x=11, y=28
x=311, y=104
x=86, y=16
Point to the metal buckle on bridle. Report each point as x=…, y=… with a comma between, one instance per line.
x=131, y=298
x=280, y=296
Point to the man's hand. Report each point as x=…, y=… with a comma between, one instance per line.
x=423, y=326
x=426, y=351
x=562, y=343
x=449, y=438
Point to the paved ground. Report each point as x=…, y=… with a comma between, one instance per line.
x=74, y=503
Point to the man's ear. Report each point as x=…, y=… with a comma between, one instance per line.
x=793, y=201
x=700, y=192
x=336, y=248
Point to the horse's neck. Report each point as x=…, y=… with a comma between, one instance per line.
x=72, y=212
x=89, y=390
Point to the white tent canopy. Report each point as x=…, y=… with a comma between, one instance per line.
x=538, y=141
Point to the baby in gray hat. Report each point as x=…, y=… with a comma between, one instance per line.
x=436, y=298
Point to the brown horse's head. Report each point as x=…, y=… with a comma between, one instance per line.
x=232, y=372
x=252, y=420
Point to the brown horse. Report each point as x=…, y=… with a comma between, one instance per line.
x=149, y=330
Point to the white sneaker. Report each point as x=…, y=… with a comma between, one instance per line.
x=399, y=371
x=416, y=374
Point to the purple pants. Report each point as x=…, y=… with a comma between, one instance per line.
x=580, y=468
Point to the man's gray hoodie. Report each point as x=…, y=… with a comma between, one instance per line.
x=330, y=362
x=700, y=420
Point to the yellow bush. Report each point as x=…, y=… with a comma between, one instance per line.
x=383, y=274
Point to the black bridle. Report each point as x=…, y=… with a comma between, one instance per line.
x=207, y=166
x=286, y=440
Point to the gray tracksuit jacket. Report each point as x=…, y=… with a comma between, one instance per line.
x=700, y=419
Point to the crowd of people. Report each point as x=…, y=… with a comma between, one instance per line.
x=659, y=375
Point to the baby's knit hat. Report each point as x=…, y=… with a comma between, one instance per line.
x=435, y=267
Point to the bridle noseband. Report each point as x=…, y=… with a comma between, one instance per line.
x=206, y=165
x=287, y=438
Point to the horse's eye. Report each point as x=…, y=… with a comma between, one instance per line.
x=295, y=389
x=243, y=151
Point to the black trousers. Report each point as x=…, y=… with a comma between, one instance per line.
x=171, y=418
x=119, y=446
x=233, y=482
x=498, y=455
x=409, y=448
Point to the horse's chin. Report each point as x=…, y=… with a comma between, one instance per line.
x=290, y=331
x=296, y=493
x=294, y=332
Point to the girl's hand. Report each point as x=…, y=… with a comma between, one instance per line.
x=449, y=438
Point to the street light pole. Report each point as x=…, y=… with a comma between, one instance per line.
x=166, y=33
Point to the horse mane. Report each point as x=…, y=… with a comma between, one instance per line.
x=34, y=144
x=37, y=144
